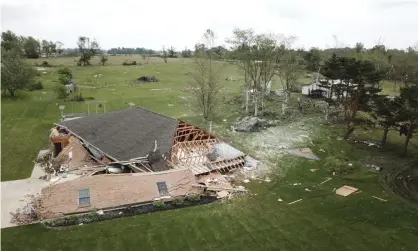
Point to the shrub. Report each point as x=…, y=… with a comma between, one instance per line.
x=338, y=163
x=63, y=79
x=78, y=97
x=178, y=201
x=35, y=86
x=45, y=64
x=61, y=91
x=193, y=197
x=65, y=71
x=158, y=203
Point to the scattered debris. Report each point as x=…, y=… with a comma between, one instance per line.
x=294, y=201
x=313, y=169
x=302, y=152
x=246, y=181
x=308, y=190
x=339, y=138
x=170, y=105
x=379, y=198
x=375, y=168
x=222, y=194
x=328, y=179
x=346, y=190
x=280, y=200
x=247, y=124
x=148, y=79
x=80, y=224
x=297, y=184
x=349, y=164
x=100, y=212
x=322, y=150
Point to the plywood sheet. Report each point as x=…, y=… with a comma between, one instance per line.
x=346, y=190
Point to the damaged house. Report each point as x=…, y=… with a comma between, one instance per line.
x=130, y=157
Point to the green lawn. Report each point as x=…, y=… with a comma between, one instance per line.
x=321, y=221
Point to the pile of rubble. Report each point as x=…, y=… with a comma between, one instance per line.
x=148, y=79
x=252, y=124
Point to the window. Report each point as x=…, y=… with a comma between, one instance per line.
x=84, y=197
x=162, y=188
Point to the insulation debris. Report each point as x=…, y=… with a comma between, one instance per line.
x=346, y=190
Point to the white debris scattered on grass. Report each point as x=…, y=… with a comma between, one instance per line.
x=100, y=212
x=294, y=201
x=280, y=200
x=313, y=169
x=349, y=164
x=170, y=105
x=328, y=179
x=246, y=181
x=297, y=184
x=379, y=198
x=308, y=190
x=120, y=213
x=322, y=150
x=80, y=224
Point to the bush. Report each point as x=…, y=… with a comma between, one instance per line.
x=63, y=79
x=193, y=197
x=65, y=71
x=178, y=201
x=78, y=97
x=339, y=164
x=45, y=64
x=158, y=204
x=35, y=86
x=61, y=91
x=126, y=63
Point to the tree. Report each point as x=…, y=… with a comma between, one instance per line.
x=46, y=48
x=59, y=47
x=359, y=48
x=145, y=57
x=64, y=75
x=165, y=54
x=31, y=47
x=103, y=59
x=186, y=53
x=205, y=81
x=289, y=69
x=171, y=52
x=10, y=41
x=15, y=74
x=386, y=110
x=313, y=59
x=409, y=111
x=87, y=50
x=258, y=55
x=356, y=86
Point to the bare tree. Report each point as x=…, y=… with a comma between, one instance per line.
x=289, y=69
x=205, y=80
x=165, y=54
x=258, y=55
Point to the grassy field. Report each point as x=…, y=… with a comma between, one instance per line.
x=321, y=221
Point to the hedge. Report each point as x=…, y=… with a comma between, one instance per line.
x=129, y=211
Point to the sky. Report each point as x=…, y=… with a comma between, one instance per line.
x=181, y=23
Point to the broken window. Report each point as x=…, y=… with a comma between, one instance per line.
x=162, y=188
x=84, y=197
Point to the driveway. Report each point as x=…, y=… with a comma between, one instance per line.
x=14, y=194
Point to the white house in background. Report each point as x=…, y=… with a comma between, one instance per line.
x=307, y=89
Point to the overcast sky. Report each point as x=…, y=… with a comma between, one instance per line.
x=181, y=23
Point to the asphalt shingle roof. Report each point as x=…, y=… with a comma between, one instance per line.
x=126, y=134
